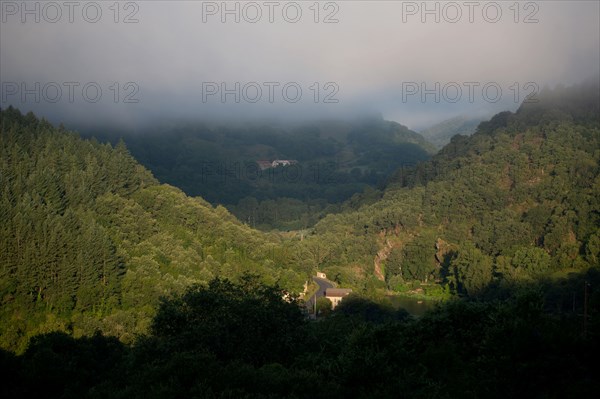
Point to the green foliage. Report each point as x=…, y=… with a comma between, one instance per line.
x=531, y=261
x=470, y=270
x=418, y=259
x=89, y=240
x=243, y=339
x=336, y=159
x=323, y=306
x=517, y=200
x=246, y=321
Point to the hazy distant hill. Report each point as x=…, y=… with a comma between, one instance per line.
x=336, y=159
x=441, y=133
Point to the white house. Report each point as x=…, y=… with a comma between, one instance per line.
x=335, y=295
x=283, y=162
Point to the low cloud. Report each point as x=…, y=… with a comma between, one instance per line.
x=291, y=60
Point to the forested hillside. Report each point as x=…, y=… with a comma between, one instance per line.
x=335, y=159
x=516, y=201
x=89, y=240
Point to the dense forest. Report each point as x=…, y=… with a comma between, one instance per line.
x=218, y=162
x=114, y=285
x=516, y=201
x=90, y=241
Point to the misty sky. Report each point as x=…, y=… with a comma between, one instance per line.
x=174, y=58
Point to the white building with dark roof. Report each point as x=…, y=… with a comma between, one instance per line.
x=335, y=295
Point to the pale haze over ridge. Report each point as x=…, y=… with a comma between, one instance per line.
x=171, y=58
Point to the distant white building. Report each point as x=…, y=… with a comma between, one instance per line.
x=335, y=295
x=264, y=164
x=283, y=162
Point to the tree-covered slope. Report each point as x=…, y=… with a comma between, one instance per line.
x=335, y=159
x=517, y=200
x=89, y=239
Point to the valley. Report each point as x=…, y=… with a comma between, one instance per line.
x=98, y=253
x=299, y=200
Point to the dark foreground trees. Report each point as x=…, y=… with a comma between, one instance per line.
x=244, y=340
